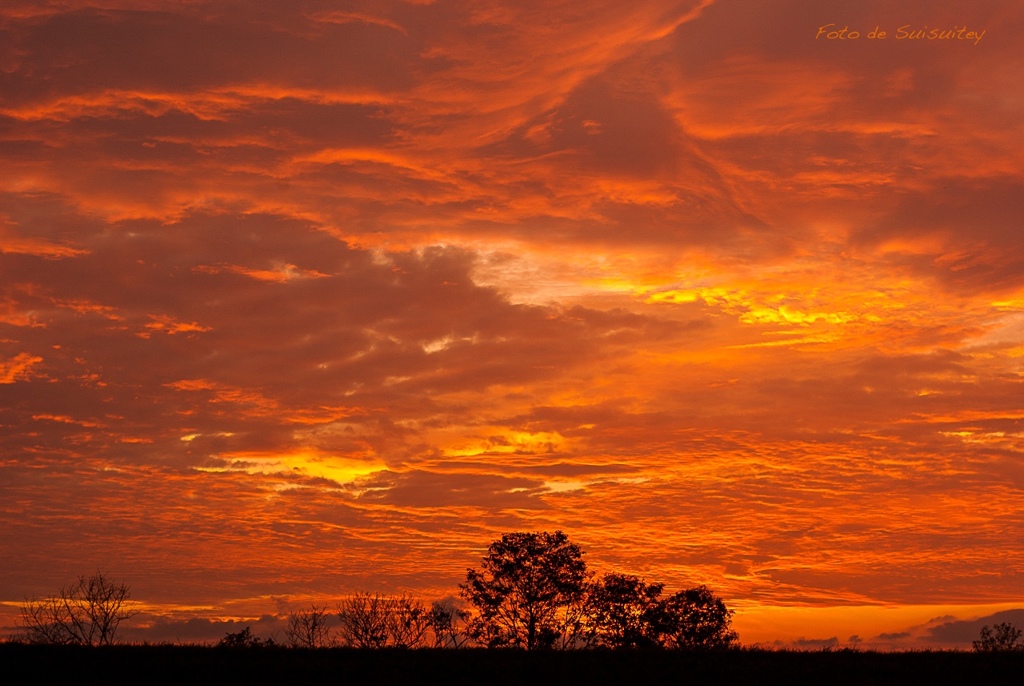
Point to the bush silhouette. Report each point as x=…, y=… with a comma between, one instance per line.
x=244, y=639
x=1002, y=637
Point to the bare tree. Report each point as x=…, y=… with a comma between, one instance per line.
x=85, y=613
x=447, y=624
x=383, y=621
x=408, y=623
x=364, y=620
x=309, y=628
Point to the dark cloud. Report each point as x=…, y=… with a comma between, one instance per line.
x=426, y=489
x=972, y=224
x=78, y=52
x=157, y=629
x=815, y=643
x=964, y=631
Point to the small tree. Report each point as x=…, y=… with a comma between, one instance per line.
x=446, y=624
x=624, y=612
x=364, y=620
x=381, y=621
x=88, y=612
x=309, y=628
x=526, y=591
x=1002, y=637
x=408, y=622
x=694, y=618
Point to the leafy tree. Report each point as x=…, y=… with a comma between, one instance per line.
x=528, y=592
x=1002, y=637
x=88, y=612
x=627, y=612
x=624, y=612
x=694, y=618
x=309, y=628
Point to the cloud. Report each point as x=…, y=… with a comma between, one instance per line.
x=960, y=231
x=17, y=368
x=424, y=489
x=815, y=643
x=292, y=288
x=895, y=636
x=157, y=629
x=964, y=631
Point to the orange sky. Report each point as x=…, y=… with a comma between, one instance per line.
x=300, y=299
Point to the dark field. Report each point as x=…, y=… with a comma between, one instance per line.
x=172, y=664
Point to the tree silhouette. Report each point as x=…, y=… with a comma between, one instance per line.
x=364, y=619
x=624, y=612
x=1002, y=637
x=446, y=623
x=694, y=618
x=528, y=593
x=309, y=628
x=382, y=621
x=408, y=623
x=627, y=612
x=88, y=612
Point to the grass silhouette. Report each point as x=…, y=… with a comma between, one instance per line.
x=194, y=664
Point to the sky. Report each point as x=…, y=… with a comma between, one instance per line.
x=303, y=299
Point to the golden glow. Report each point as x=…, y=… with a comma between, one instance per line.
x=281, y=273
x=311, y=464
x=870, y=627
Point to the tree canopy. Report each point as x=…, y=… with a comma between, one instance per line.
x=624, y=612
x=533, y=590
x=694, y=618
x=528, y=592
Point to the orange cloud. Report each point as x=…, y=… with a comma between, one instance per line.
x=18, y=368
x=360, y=290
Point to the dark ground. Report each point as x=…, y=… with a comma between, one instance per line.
x=174, y=664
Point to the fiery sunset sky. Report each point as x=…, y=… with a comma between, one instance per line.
x=305, y=298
